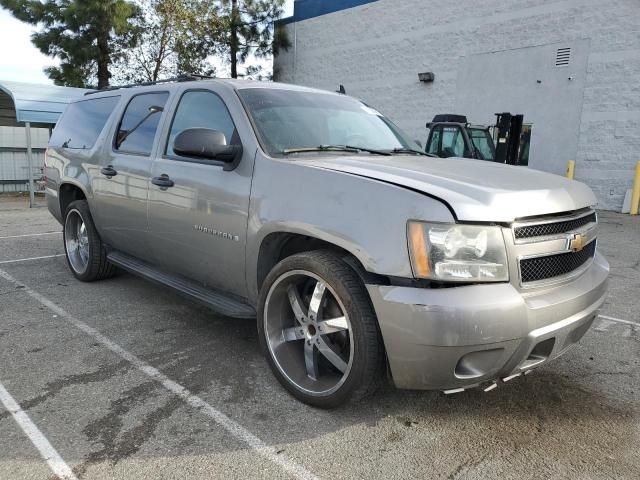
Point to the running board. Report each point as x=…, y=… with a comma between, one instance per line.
x=222, y=303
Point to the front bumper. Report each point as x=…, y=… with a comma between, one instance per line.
x=460, y=337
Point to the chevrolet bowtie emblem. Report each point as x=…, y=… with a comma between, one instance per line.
x=577, y=242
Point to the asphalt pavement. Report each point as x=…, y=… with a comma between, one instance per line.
x=123, y=379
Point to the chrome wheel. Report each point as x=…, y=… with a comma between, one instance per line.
x=76, y=240
x=308, y=333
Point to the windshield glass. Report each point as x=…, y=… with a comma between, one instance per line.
x=483, y=142
x=291, y=120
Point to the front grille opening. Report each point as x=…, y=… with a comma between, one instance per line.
x=547, y=229
x=543, y=268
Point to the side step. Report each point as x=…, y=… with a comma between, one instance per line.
x=222, y=303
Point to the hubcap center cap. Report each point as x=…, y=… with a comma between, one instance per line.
x=311, y=330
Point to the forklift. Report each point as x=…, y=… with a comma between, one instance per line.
x=505, y=142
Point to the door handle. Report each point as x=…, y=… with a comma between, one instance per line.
x=163, y=181
x=109, y=171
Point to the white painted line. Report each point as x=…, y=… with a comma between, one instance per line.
x=31, y=235
x=619, y=320
x=234, y=428
x=48, y=453
x=4, y=262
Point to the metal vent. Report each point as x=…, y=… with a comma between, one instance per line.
x=563, y=57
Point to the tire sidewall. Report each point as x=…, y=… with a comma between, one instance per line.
x=355, y=376
x=81, y=208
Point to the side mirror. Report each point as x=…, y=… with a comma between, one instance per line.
x=207, y=144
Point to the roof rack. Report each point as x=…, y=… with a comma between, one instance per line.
x=180, y=78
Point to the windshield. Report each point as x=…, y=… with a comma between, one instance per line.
x=483, y=143
x=288, y=120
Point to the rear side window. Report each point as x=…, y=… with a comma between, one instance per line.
x=139, y=123
x=82, y=122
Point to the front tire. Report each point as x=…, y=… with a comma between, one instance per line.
x=319, y=331
x=86, y=254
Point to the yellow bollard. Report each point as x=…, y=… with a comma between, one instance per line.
x=571, y=167
x=635, y=191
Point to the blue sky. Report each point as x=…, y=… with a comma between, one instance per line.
x=21, y=61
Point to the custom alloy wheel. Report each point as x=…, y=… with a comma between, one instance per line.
x=318, y=329
x=308, y=332
x=86, y=254
x=76, y=242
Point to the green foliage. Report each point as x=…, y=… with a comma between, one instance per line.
x=87, y=36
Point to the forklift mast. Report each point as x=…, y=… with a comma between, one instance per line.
x=508, y=131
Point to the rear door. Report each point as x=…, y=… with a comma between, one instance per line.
x=122, y=184
x=198, y=226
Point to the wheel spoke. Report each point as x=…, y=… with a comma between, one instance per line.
x=296, y=304
x=292, y=333
x=316, y=300
x=311, y=360
x=336, y=360
x=333, y=325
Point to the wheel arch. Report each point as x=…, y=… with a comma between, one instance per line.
x=278, y=245
x=69, y=192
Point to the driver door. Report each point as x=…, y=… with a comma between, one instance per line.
x=198, y=225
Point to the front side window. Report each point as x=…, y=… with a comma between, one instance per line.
x=202, y=109
x=290, y=120
x=82, y=123
x=139, y=123
x=483, y=143
x=452, y=142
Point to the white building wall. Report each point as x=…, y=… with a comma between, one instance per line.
x=376, y=51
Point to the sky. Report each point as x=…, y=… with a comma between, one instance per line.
x=21, y=61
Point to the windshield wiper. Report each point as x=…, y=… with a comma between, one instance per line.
x=335, y=148
x=411, y=150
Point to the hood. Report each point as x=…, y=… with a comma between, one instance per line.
x=476, y=190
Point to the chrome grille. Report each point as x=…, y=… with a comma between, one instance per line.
x=548, y=229
x=550, y=266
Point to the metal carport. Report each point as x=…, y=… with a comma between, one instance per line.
x=32, y=105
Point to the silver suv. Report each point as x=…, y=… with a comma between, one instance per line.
x=358, y=253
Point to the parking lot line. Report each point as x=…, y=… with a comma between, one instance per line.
x=48, y=453
x=31, y=235
x=5, y=262
x=234, y=428
x=619, y=320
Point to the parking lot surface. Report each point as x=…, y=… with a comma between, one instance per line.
x=125, y=379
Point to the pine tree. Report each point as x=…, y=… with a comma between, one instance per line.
x=87, y=36
x=248, y=29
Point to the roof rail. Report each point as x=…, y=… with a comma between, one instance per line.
x=180, y=78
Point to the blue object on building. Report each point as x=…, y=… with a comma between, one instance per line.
x=305, y=9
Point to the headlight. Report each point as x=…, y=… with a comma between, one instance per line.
x=458, y=253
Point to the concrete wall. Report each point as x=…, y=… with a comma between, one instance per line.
x=14, y=169
x=377, y=50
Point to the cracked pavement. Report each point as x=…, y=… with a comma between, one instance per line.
x=578, y=417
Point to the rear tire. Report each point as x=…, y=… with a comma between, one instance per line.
x=318, y=330
x=86, y=254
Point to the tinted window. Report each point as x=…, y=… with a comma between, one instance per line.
x=82, y=123
x=139, y=123
x=452, y=142
x=200, y=109
x=483, y=143
x=434, y=145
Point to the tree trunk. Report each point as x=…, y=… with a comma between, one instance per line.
x=103, y=60
x=235, y=19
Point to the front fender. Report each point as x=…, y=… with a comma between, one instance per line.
x=363, y=216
